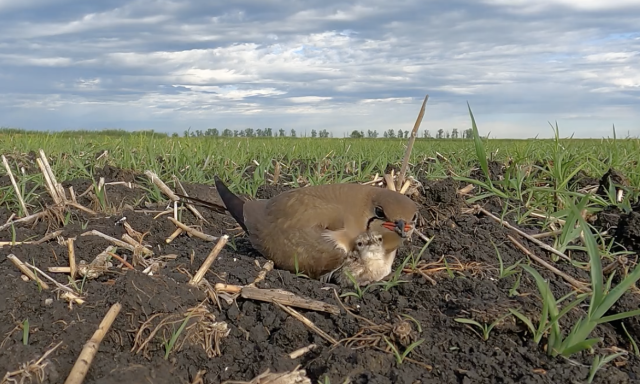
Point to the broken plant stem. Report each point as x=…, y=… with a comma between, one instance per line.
x=24, y=268
x=287, y=298
x=72, y=257
x=268, y=266
x=81, y=367
x=465, y=190
x=371, y=323
x=621, y=261
x=44, y=239
x=119, y=243
x=523, y=234
x=405, y=187
x=422, y=236
x=48, y=237
x=131, y=241
x=297, y=376
x=193, y=232
x=120, y=259
x=228, y=288
x=300, y=352
x=80, y=207
x=308, y=323
x=195, y=280
x=13, y=376
x=15, y=186
x=175, y=234
x=547, y=234
x=388, y=178
x=376, y=179
x=10, y=218
x=199, y=377
x=161, y=185
x=51, y=279
x=412, y=139
x=55, y=189
x=575, y=283
x=26, y=219
x=190, y=206
x=284, y=297
x=547, y=217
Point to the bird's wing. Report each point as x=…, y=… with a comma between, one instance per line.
x=315, y=226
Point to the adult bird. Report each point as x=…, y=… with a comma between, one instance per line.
x=316, y=227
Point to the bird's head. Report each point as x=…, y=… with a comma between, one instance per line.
x=393, y=215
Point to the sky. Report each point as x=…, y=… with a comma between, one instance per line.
x=173, y=65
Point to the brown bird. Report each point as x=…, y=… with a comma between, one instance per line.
x=317, y=226
x=368, y=262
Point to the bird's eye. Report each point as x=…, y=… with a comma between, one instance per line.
x=379, y=213
x=359, y=243
x=378, y=238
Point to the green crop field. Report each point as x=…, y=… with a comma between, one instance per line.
x=536, y=171
x=196, y=159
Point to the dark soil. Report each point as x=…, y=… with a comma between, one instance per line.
x=261, y=335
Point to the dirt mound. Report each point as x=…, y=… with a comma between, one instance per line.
x=496, y=171
x=455, y=276
x=628, y=231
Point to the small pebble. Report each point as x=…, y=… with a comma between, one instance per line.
x=385, y=296
x=233, y=313
x=24, y=278
x=48, y=301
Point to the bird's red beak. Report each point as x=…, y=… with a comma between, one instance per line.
x=399, y=227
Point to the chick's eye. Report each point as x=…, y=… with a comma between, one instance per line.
x=359, y=244
x=379, y=213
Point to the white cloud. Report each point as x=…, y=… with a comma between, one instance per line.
x=279, y=63
x=308, y=99
x=582, y=5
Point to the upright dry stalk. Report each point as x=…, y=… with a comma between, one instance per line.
x=412, y=139
x=72, y=257
x=15, y=186
x=56, y=190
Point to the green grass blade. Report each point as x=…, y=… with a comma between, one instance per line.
x=618, y=316
x=479, y=147
x=595, y=263
x=524, y=319
x=581, y=346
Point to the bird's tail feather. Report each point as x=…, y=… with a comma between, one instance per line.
x=203, y=203
x=234, y=204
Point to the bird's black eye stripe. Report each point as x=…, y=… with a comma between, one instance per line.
x=369, y=222
x=379, y=215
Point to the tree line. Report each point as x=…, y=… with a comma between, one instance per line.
x=355, y=134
